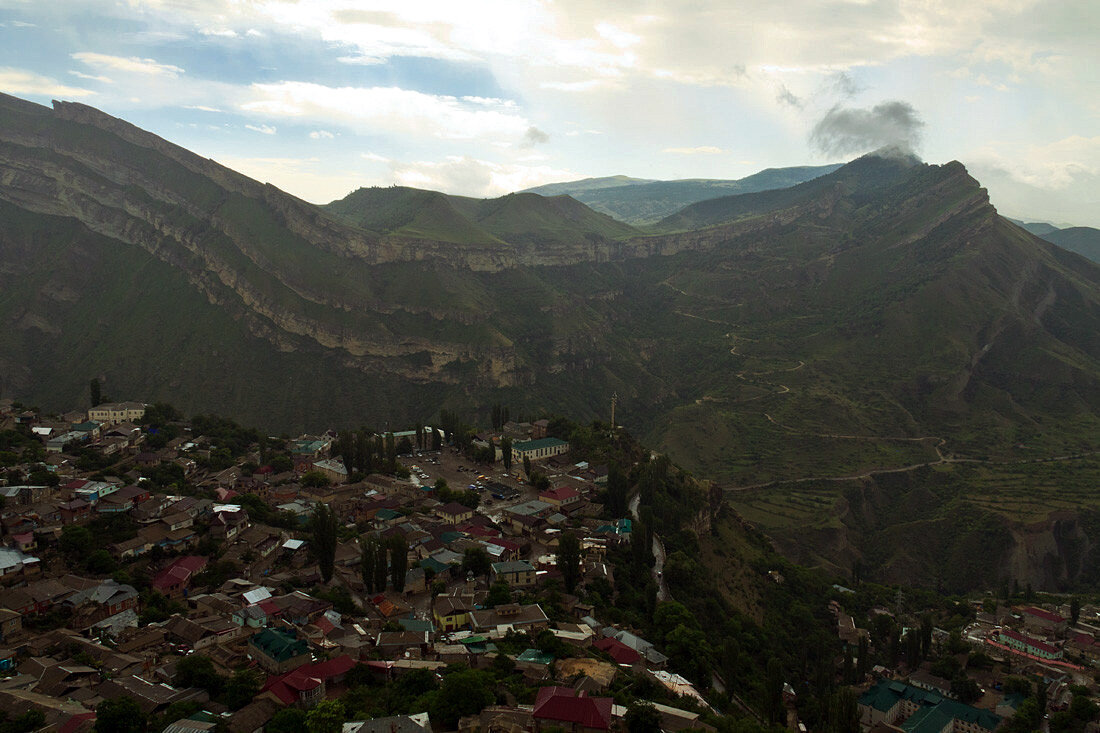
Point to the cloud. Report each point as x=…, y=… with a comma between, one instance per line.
x=845, y=130
x=473, y=177
x=1054, y=166
x=321, y=135
x=786, y=96
x=490, y=101
x=265, y=129
x=219, y=32
x=202, y=108
x=844, y=85
x=20, y=81
x=132, y=65
x=373, y=110
x=374, y=157
x=588, y=85
x=92, y=77
x=534, y=136
x=700, y=150
x=1056, y=181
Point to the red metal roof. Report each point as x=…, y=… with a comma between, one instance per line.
x=561, y=704
x=560, y=494
x=1029, y=641
x=1043, y=614
x=618, y=651
x=307, y=677
x=181, y=569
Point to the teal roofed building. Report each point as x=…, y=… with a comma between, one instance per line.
x=278, y=651
x=534, y=656
x=920, y=711
x=536, y=450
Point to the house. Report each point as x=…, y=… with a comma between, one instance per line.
x=74, y=511
x=516, y=573
x=130, y=548
x=102, y=601
x=310, y=447
x=564, y=708
x=618, y=651
x=24, y=542
x=309, y=683
x=174, y=580
x=178, y=520
x=454, y=513
x=1043, y=621
x=278, y=651
x=1026, y=644
x=452, y=612
x=11, y=623
x=521, y=618
x=890, y=702
x=537, y=450
x=394, y=643
x=90, y=429
x=116, y=412
x=648, y=651
x=417, y=723
x=563, y=498
x=116, y=503
x=229, y=520
x=386, y=485
x=332, y=469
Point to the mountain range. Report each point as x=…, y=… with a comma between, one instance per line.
x=642, y=201
x=1085, y=241
x=791, y=344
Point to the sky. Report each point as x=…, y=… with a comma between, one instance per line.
x=320, y=97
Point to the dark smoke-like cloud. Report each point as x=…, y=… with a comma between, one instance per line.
x=534, y=137
x=844, y=131
x=786, y=96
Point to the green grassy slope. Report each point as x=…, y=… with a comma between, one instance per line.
x=408, y=212
x=523, y=219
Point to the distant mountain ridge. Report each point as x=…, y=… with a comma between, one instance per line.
x=640, y=202
x=1085, y=241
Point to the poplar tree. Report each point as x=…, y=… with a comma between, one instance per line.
x=324, y=538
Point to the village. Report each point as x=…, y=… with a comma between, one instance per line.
x=141, y=568
x=114, y=584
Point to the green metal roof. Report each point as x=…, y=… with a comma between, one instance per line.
x=279, y=645
x=415, y=624
x=884, y=695
x=526, y=445
x=536, y=656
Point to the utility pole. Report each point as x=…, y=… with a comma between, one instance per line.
x=614, y=400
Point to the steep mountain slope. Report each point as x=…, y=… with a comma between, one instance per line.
x=645, y=202
x=518, y=219
x=881, y=317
